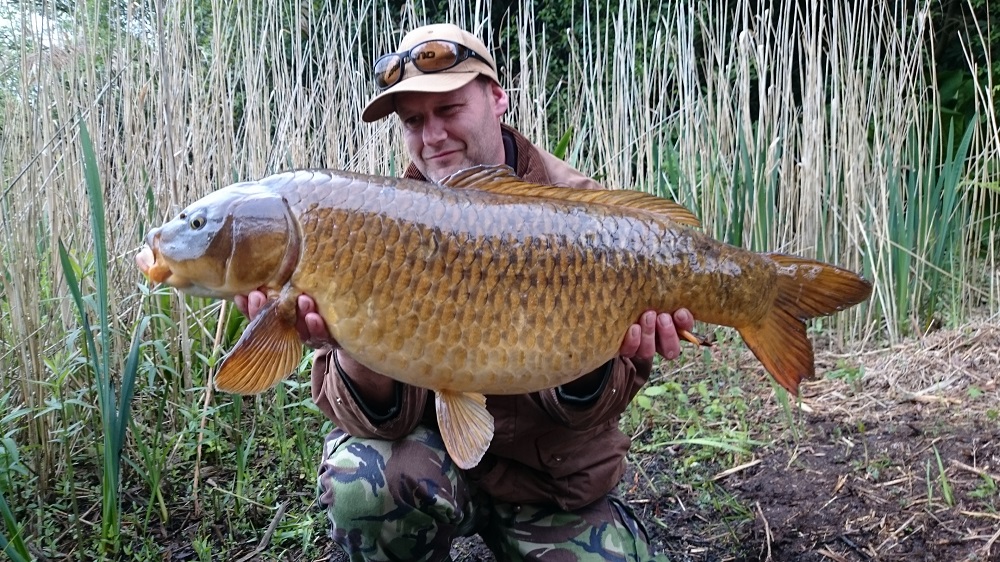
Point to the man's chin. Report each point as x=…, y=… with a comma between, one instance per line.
x=437, y=171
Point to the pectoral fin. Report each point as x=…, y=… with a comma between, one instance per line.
x=267, y=352
x=466, y=426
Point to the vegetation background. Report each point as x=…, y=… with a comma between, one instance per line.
x=862, y=134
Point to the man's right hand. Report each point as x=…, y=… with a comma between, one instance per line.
x=310, y=325
x=378, y=391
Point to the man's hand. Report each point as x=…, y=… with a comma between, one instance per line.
x=656, y=333
x=310, y=325
x=377, y=391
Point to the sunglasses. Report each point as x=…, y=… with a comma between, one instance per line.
x=428, y=57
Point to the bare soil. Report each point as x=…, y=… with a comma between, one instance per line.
x=901, y=464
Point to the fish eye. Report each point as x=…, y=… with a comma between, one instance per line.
x=196, y=222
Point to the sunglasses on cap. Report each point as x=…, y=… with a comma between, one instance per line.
x=431, y=56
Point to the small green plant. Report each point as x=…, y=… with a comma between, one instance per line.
x=114, y=403
x=203, y=548
x=942, y=479
x=11, y=466
x=986, y=490
x=874, y=468
x=786, y=408
x=849, y=373
x=154, y=459
x=11, y=539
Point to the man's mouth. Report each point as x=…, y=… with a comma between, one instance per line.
x=442, y=155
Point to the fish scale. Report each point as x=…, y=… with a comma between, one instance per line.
x=475, y=273
x=483, y=284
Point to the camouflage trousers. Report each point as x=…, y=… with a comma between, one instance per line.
x=406, y=500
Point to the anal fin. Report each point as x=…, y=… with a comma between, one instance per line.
x=466, y=426
x=267, y=352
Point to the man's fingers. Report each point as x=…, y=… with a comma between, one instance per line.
x=255, y=301
x=317, y=334
x=647, y=341
x=683, y=319
x=306, y=305
x=667, y=341
x=631, y=342
x=240, y=301
x=312, y=327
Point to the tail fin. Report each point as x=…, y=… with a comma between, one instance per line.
x=806, y=289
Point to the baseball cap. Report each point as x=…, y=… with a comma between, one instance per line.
x=453, y=78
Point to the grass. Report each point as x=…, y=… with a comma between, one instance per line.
x=777, y=143
x=14, y=546
x=942, y=479
x=695, y=418
x=115, y=403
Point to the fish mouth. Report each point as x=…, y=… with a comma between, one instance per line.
x=152, y=265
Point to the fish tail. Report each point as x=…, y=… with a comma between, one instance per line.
x=806, y=289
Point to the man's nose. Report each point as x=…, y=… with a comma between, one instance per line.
x=434, y=131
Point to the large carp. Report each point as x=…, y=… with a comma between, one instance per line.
x=483, y=284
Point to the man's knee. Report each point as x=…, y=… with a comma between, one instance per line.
x=390, y=499
x=361, y=478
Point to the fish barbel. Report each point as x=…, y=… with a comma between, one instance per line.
x=482, y=284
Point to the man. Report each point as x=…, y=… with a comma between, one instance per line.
x=542, y=490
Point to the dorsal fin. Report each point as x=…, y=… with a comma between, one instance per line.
x=501, y=179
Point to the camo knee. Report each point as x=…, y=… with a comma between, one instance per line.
x=393, y=500
x=605, y=530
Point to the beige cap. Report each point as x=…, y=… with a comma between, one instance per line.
x=444, y=81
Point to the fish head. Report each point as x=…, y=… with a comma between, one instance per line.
x=230, y=242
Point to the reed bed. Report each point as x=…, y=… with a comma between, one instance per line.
x=794, y=130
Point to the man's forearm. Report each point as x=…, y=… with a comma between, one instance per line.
x=374, y=391
x=583, y=389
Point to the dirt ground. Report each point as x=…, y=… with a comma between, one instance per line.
x=901, y=464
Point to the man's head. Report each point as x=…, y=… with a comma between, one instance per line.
x=442, y=83
x=430, y=59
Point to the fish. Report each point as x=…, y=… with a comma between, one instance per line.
x=479, y=284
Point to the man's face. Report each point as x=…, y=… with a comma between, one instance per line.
x=451, y=131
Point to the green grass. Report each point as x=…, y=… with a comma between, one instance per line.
x=697, y=408
x=11, y=538
x=114, y=399
x=694, y=420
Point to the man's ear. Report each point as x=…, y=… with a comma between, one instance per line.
x=500, y=100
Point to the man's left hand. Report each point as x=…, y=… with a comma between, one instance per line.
x=656, y=333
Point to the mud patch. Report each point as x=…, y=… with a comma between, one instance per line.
x=882, y=494
x=894, y=456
